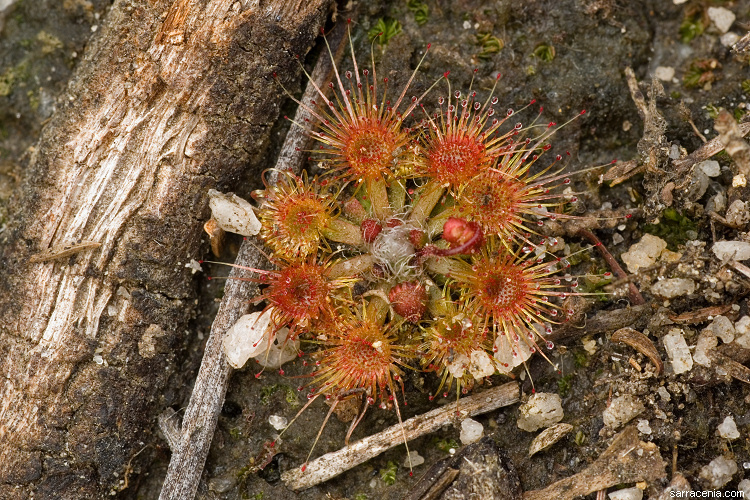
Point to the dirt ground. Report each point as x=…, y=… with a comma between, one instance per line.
x=569, y=55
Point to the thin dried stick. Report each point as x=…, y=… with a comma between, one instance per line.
x=198, y=426
x=707, y=150
x=635, y=296
x=332, y=464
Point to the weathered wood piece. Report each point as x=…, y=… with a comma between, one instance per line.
x=627, y=460
x=190, y=451
x=332, y=464
x=171, y=99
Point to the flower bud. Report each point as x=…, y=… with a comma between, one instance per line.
x=409, y=299
x=460, y=232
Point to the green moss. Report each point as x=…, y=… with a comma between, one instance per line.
x=420, y=10
x=383, y=30
x=712, y=111
x=445, y=444
x=594, y=284
x=580, y=359
x=700, y=72
x=564, y=385
x=690, y=28
x=33, y=100
x=49, y=43
x=361, y=496
x=673, y=227
x=290, y=395
x=388, y=473
x=12, y=76
x=745, y=86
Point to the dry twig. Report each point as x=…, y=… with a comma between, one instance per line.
x=332, y=464
x=706, y=151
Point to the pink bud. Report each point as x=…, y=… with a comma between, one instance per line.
x=459, y=232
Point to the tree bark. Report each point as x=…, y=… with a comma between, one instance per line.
x=172, y=98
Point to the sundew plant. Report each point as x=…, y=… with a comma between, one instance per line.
x=418, y=248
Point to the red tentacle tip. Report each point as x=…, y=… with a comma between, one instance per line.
x=200, y=262
x=498, y=76
x=629, y=216
x=476, y=70
x=286, y=117
x=532, y=101
x=583, y=111
x=257, y=375
x=275, y=75
x=428, y=46
x=304, y=468
x=445, y=75
x=411, y=473
x=614, y=161
x=272, y=444
x=208, y=278
x=349, y=20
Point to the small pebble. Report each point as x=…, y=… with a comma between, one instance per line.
x=233, y=213
x=471, y=431
x=706, y=343
x=622, y=410
x=413, y=459
x=718, y=472
x=644, y=253
x=278, y=422
x=729, y=39
x=248, y=337
x=744, y=487
x=664, y=73
x=643, y=426
x=481, y=365
x=738, y=214
x=710, y=167
x=678, y=351
x=728, y=429
x=723, y=328
x=673, y=287
x=664, y=394
x=742, y=332
x=541, y=410
x=509, y=355
x=627, y=494
x=737, y=250
x=721, y=17
x=282, y=350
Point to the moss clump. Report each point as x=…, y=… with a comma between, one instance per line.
x=674, y=228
